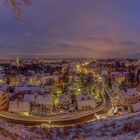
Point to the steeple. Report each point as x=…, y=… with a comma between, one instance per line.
x=17, y=61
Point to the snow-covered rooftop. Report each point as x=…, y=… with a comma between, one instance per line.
x=39, y=99
x=85, y=97
x=131, y=92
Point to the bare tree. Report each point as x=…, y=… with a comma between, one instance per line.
x=16, y=6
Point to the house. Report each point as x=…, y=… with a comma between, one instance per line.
x=45, y=78
x=86, y=101
x=104, y=72
x=50, y=87
x=45, y=100
x=119, y=77
x=19, y=107
x=24, y=87
x=136, y=107
x=41, y=100
x=128, y=98
x=64, y=98
x=29, y=98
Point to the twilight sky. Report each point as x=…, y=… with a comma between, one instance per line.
x=73, y=28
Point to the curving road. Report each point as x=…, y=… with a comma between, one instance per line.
x=62, y=119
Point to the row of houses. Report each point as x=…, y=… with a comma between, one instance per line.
x=84, y=101
x=24, y=87
x=32, y=80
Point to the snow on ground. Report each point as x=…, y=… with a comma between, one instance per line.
x=118, y=128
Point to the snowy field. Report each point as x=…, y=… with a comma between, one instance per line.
x=119, y=128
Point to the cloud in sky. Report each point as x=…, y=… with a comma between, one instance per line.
x=73, y=28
